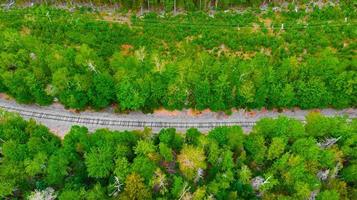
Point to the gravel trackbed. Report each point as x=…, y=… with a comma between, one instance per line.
x=59, y=120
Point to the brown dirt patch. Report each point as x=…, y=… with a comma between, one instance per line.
x=245, y=55
x=25, y=31
x=267, y=23
x=115, y=18
x=255, y=28
x=4, y=96
x=263, y=110
x=251, y=113
x=266, y=51
x=126, y=49
x=74, y=110
x=194, y=113
x=164, y=112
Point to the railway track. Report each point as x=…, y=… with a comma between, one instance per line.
x=49, y=117
x=123, y=123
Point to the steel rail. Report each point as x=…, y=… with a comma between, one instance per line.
x=124, y=123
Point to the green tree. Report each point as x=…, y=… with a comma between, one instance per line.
x=328, y=195
x=87, y=59
x=144, y=147
x=287, y=97
x=99, y=162
x=166, y=152
x=276, y=148
x=255, y=148
x=57, y=168
x=130, y=96
x=122, y=168
x=101, y=92
x=176, y=96
x=312, y=94
x=202, y=94
x=190, y=160
x=321, y=126
x=350, y=174
x=192, y=136
x=227, y=160
x=177, y=186
x=144, y=167
x=135, y=188
x=307, y=148
x=245, y=174
x=35, y=166
x=171, y=138
x=16, y=82
x=70, y=195
x=97, y=192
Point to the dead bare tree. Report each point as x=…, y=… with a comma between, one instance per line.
x=9, y=4
x=328, y=142
x=47, y=194
x=259, y=181
x=313, y=194
x=185, y=189
x=199, y=175
x=323, y=174
x=117, y=187
x=174, y=7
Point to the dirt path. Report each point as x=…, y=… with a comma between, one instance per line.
x=60, y=120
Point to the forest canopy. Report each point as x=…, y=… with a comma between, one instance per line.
x=250, y=59
x=169, y=5
x=279, y=159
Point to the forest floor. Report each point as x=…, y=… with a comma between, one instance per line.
x=60, y=120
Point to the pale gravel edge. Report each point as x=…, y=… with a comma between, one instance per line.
x=60, y=120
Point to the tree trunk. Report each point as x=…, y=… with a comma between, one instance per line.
x=174, y=7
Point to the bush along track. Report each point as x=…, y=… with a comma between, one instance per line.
x=280, y=159
x=230, y=60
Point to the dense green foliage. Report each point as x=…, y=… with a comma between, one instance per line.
x=167, y=5
x=186, y=61
x=288, y=157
